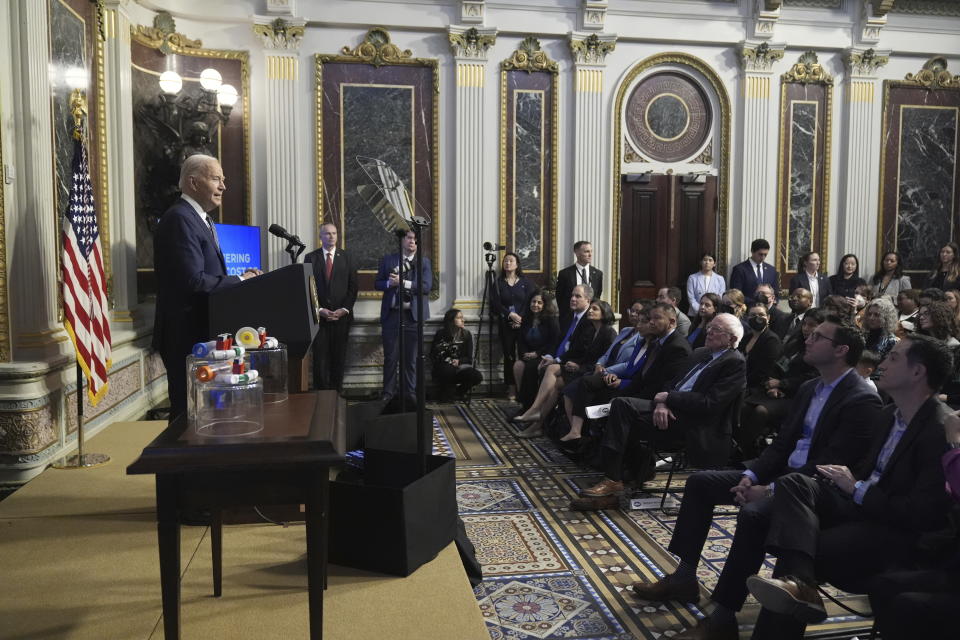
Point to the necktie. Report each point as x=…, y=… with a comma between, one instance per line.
x=583, y=275
x=213, y=232
x=759, y=273
x=651, y=355
x=692, y=373
x=564, y=344
x=329, y=266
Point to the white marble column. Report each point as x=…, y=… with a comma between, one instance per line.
x=121, y=196
x=757, y=217
x=472, y=219
x=284, y=134
x=863, y=97
x=33, y=228
x=591, y=186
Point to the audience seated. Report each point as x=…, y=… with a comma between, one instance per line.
x=800, y=301
x=761, y=347
x=833, y=420
x=946, y=275
x=936, y=320
x=854, y=522
x=452, y=358
x=889, y=280
x=671, y=296
x=880, y=326
x=847, y=278
x=708, y=309
x=695, y=409
x=539, y=334
x=778, y=320
x=867, y=367
x=952, y=298
x=908, y=303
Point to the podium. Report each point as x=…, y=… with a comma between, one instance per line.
x=284, y=301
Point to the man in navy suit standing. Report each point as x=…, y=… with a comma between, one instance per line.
x=336, y=279
x=189, y=266
x=753, y=272
x=403, y=291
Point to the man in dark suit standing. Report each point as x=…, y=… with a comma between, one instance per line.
x=336, y=279
x=751, y=273
x=404, y=290
x=580, y=272
x=847, y=526
x=833, y=420
x=189, y=266
x=696, y=408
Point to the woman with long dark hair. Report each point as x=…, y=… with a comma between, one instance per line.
x=946, y=275
x=452, y=357
x=509, y=301
x=708, y=309
x=847, y=278
x=889, y=280
x=539, y=334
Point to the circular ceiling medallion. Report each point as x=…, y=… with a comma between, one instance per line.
x=668, y=117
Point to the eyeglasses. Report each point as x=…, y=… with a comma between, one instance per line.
x=816, y=336
x=715, y=330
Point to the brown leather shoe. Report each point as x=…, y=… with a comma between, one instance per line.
x=595, y=504
x=706, y=630
x=605, y=487
x=668, y=589
x=790, y=596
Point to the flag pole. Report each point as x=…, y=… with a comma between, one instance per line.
x=80, y=460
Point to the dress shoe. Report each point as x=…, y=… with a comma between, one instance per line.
x=533, y=431
x=605, y=487
x=571, y=445
x=789, y=596
x=595, y=504
x=534, y=418
x=707, y=630
x=670, y=588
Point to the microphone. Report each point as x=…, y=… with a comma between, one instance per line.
x=489, y=246
x=280, y=232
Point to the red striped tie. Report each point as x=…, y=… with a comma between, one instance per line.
x=329, y=266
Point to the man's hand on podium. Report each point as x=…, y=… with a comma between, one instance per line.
x=250, y=273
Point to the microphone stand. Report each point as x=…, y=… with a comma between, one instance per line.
x=294, y=250
x=489, y=281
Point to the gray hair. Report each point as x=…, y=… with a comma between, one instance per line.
x=194, y=165
x=887, y=311
x=731, y=324
x=587, y=291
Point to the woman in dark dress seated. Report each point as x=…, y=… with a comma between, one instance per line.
x=765, y=408
x=709, y=307
x=452, y=357
x=539, y=334
x=761, y=348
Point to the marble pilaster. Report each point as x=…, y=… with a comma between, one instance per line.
x=284, y=134
x=863, y=105
x=32, y=229
x=591, y=197
x=758, y=201
x=473, y=227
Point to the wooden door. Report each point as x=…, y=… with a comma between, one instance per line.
x=666, y=224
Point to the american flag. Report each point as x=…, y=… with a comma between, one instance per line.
x=84, y=291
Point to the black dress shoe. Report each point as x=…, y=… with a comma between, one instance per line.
x=571, y=445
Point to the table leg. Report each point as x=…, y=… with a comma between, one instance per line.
x=168, y=538
x=316, y=548
x=216, y=545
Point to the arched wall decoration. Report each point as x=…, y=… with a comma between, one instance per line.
x=529, y=104
x=388, y=108
x=699, y=70
x=668, y=117
x=803, y=200
x=919, y=168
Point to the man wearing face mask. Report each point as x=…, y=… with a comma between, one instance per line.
x=778, y=318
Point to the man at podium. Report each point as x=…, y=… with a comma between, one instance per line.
x=189, y=265
x=403, y=290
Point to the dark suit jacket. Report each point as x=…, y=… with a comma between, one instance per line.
x=419, y=286
x=669, y=361
x=706, y=411
x=844, y=432
x=762, y=358
x=588, y=343
x=779, y=321
x=189, y=266
x=341, y=291
x=549, y=336
x=744, y=277
x=910, y=494
x=568, y=278
x=802, y=281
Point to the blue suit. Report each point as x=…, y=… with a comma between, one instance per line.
x=390, y=321
x=744, y=277
x=189, y=266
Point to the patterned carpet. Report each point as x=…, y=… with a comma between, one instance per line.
x=555, y=573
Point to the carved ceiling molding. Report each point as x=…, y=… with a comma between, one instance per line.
x=473, y=11
x=927, y=7
x=528, y=57
x=163, y=35
x=594, y=15
x=376, y=49
x=814, y=4
x=592, y=49
x=758, y=57
x=881, y=7
x=280, y=33
x=933, y=75
x=808, y=70
x=767, y=14
x=471, y=42
x=865, y=63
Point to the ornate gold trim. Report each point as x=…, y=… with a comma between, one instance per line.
x=759, y=57
x=280, y=34
x=101, y=142
x=528, y=57
x=933, y=75
x=866, y=62
x=881, y=7
x=723, y=178
x=376, y=49
x=591, y=50
x=5, y=337
x=471, y=43
x=163, y=35
x=808, y=70
x=171, y=46
x=351, y=56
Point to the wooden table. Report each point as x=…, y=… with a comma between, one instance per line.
x=286, y=463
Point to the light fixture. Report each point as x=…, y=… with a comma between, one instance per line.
x=210, y=79
x=226, y=98
x=170, y=83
